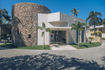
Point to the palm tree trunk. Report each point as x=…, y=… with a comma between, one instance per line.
x=78, y=38
x=94, y=29
x=77, y=33
x=44, y=41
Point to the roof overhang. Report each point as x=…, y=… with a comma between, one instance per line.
x=60, y=22
x=60, y=28
x=100, y=26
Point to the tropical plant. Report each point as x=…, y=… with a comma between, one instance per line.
x=78, y=27
x=103, y=38
x=4, y=17
x=75, y=12
x=44, y=29
x=94, y=19
x=103, y=22
x=91, y=39
x=97, y=33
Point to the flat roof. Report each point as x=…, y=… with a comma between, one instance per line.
x=92, y=27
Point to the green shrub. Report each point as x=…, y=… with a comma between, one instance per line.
x=7, y=45
x=87, y=45
x=103, y=38
x=98, y=33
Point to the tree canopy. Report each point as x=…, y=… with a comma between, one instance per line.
x=4, y=16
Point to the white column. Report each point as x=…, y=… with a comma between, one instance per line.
x=67, y=37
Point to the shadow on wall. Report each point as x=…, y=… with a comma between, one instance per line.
x=17, y=37
x=47, y=61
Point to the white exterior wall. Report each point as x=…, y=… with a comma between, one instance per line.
x=43, y=18
x=70, y=19
x=53, y=17
x=56, y=18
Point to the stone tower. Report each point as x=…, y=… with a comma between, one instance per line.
x=24, y=25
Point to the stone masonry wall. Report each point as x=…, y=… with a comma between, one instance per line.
x=24, y=25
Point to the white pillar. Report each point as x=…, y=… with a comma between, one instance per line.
x=67, y=37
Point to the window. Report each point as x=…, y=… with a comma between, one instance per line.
x=29, y=36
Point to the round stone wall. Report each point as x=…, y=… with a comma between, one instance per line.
x=24, y=25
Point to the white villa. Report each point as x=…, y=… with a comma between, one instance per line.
x=60, y=26
x=28, y=16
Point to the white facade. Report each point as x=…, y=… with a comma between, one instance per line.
x=57, y=22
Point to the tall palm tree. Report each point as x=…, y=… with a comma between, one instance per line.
x=94, y=19
x=78, y=27
x=75, y=12
x=44, y=29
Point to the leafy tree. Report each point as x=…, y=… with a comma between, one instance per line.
x=44, y=29
x=103, y=22
x=78, y=27
x=4, y=17
x=75, y=12
x=94, y=19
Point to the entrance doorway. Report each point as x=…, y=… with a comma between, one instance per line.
x=58, y=37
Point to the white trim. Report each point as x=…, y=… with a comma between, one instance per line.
x=100, y=26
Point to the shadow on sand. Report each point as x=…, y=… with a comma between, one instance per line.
x=47, y=61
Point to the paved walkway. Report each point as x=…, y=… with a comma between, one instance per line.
x=61, y=47
x=83, y=59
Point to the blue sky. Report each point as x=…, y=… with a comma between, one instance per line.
x=65, y=6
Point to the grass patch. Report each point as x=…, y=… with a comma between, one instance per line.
x=37, y=47
x=7, y=45
x=86, y=45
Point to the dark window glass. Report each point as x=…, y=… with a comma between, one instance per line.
x=29, y=36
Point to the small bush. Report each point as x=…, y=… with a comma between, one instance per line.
x=8, y=45
x=98, y=33
x=87, y=45
x=103, y=38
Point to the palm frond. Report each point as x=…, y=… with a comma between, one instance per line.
x=48, y=30
x=43, y=25
x=4, y=14
x=74, y=27
x=39, y=28
x=103, y=22
x=77, y=26
x=98, y=13
x=75, y=12
x=94, y=18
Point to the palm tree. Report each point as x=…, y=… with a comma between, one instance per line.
x=94, y=19
x=103, y=22
x=75, y=12
x=44, y=29
x=78, y=27
x=3, y=16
